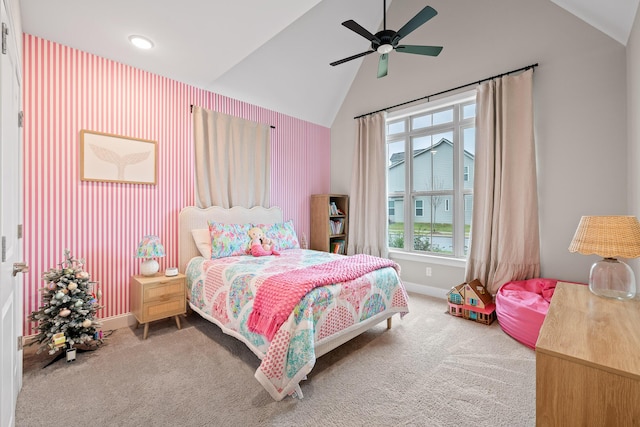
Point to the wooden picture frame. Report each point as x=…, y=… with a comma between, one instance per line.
x=113, y=158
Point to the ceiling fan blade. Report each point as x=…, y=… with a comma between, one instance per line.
x=342, y=61
x=420, y=50
x=423, y=16
x=383, y=65
x=354, y=26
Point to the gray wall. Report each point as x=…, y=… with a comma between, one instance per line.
x=580, y=109
x=633, y=120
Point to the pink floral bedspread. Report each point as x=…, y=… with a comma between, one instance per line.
x=223, y=291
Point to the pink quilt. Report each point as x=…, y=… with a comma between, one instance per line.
x=280, y=293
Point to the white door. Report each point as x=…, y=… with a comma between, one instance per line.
x=10, y=224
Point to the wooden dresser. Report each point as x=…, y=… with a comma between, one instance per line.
x=588, y=360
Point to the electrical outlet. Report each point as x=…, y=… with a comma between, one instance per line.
x=428, y=271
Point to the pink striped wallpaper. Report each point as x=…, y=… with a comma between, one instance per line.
x=67, y=90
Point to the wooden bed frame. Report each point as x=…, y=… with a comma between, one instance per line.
x=193, y=217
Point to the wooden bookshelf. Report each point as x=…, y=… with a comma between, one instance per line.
x=329, y=227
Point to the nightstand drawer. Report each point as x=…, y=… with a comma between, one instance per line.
x=163, y=291
x=160, y=310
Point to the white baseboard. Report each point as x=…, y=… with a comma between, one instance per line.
x=116, y=322
x=426, y=290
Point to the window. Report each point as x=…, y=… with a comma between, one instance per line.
x=436, y=180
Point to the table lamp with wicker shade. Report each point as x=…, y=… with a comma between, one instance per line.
x=610, y=237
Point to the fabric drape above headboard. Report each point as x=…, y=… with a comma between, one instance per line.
x=232, y=160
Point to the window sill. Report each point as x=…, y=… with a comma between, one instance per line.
x=427, y=259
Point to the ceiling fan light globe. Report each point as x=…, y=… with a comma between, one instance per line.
x=384, y=48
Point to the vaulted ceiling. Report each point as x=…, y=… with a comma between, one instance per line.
x=274, y=54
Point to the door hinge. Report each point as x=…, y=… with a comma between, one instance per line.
x=20, y=118
x=20, y=343
x=19, y=231
x=5, y=33
x=4, y=248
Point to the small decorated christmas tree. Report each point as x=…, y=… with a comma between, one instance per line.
x=66, y=317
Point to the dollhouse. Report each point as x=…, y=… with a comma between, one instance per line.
x=472, y=301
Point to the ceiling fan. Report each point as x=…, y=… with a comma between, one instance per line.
x=385, y=41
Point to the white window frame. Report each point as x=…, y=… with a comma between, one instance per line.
x=459, y=191
x=415, y=207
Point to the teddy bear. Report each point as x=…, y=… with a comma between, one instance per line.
x=260, y=244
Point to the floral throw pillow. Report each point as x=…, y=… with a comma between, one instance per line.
x=228, y=239
x=282, y=234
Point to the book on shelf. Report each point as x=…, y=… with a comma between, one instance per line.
x=334, y=210
x=338, y=247
x=336, y=226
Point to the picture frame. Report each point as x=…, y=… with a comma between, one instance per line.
x=107, y=157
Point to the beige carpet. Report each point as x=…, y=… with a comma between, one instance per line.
x=430, y=369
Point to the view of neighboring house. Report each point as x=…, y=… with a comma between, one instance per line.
x=434, y=172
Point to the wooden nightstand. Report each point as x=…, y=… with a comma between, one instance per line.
x=157, y=297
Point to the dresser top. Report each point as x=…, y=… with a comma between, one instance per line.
x=592, y=330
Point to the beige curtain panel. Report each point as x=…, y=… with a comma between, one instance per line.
x=368, y=198
x=232, y=160
x=505, y=243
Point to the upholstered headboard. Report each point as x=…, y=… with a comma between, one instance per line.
x=193, y=217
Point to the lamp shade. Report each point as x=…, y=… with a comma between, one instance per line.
x=149, y=248
x=607, y=236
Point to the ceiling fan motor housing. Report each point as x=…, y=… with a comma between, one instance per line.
x=385, y=37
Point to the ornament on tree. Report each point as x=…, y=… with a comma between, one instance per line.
x=66, y=317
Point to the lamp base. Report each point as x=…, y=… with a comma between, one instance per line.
x=611, y=278
x=149, y=267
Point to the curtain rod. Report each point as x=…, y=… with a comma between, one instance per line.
x=450, y=90
x=272, y=126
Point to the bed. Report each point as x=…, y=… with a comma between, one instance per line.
x=224, y=288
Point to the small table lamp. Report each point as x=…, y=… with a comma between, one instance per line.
x=149, y=248
x=610, y=237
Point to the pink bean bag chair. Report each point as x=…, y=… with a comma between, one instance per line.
x=521, y=307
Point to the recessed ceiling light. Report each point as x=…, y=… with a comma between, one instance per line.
x=141, y=42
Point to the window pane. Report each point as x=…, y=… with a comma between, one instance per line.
x=469, y=111
x=469, y=139
x=443, y=117
x=468, y=210
x=421, y=121
x=422, y=226
x=396, y=222
x=433, y=162
x=395, y=178
x=397, y=127
x=434, y=235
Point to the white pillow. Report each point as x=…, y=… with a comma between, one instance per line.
x=203, y=241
